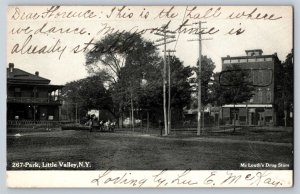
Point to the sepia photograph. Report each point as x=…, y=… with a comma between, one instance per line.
x=150, y=96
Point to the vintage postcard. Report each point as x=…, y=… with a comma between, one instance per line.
x=150, y=96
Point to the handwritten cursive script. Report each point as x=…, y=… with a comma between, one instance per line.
x=186, y=178
x=46, y=30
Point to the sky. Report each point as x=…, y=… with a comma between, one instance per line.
x=270, y=35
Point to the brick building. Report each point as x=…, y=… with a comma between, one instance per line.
x=31, y=97
x=261, y=108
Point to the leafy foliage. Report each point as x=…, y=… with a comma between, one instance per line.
x=207, y=68
x=117, y=50
x=285, y=90
x=231, y=86
x=128, y=59
x=235, y=86
x=88, y=93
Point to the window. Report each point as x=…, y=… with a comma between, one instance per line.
x=268, y=59
x=260, y=96
x=269, y=96
x=17, y=92
x=260, y=59
x=226, y=61
x=260, y=77
x=269, y=76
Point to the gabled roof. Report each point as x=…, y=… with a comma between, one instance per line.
x=18, y=75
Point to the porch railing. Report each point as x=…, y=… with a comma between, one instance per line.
x=36, y=124
x=33, y=100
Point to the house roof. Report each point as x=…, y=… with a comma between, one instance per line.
x=18, y=75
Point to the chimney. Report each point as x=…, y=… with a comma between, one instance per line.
x=37, y=73
x=11, y=67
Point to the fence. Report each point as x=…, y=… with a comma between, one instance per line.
x=36, y=124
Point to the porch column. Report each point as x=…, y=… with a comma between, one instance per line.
x=247, y=114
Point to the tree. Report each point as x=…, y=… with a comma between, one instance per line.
x=286, y=87
x=235, y=86
x=126, y=58
x=88, y=93
x=127, y=92
x=207, y=68
x=116, y=50
x=149, y=97
x=180, y=86
x=123, y=56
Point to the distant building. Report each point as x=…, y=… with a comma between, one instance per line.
x=261, y=108
x=31, y=97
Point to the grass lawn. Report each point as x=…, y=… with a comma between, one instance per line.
x=137, y=151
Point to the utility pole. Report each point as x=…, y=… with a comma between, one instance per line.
x=199, y=83
x=169, y=90
x=199, y=75
x=164, y=38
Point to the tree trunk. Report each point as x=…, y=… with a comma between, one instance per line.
x=132, y=113
x=285, y=118
x=147, y=121
x=219, y=118
x=203, y=119
x=120, y=118
x=130, y=119
x=131, y=105
x=285, y=111
x=141, y=113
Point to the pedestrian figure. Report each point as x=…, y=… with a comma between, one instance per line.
x=95, y=124
x=89, y=123
x=106, y=125
x=113, y=124
x=101, y=125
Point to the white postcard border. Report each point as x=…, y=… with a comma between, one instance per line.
x=147, y=179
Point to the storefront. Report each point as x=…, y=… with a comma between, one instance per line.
x=248, y=114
